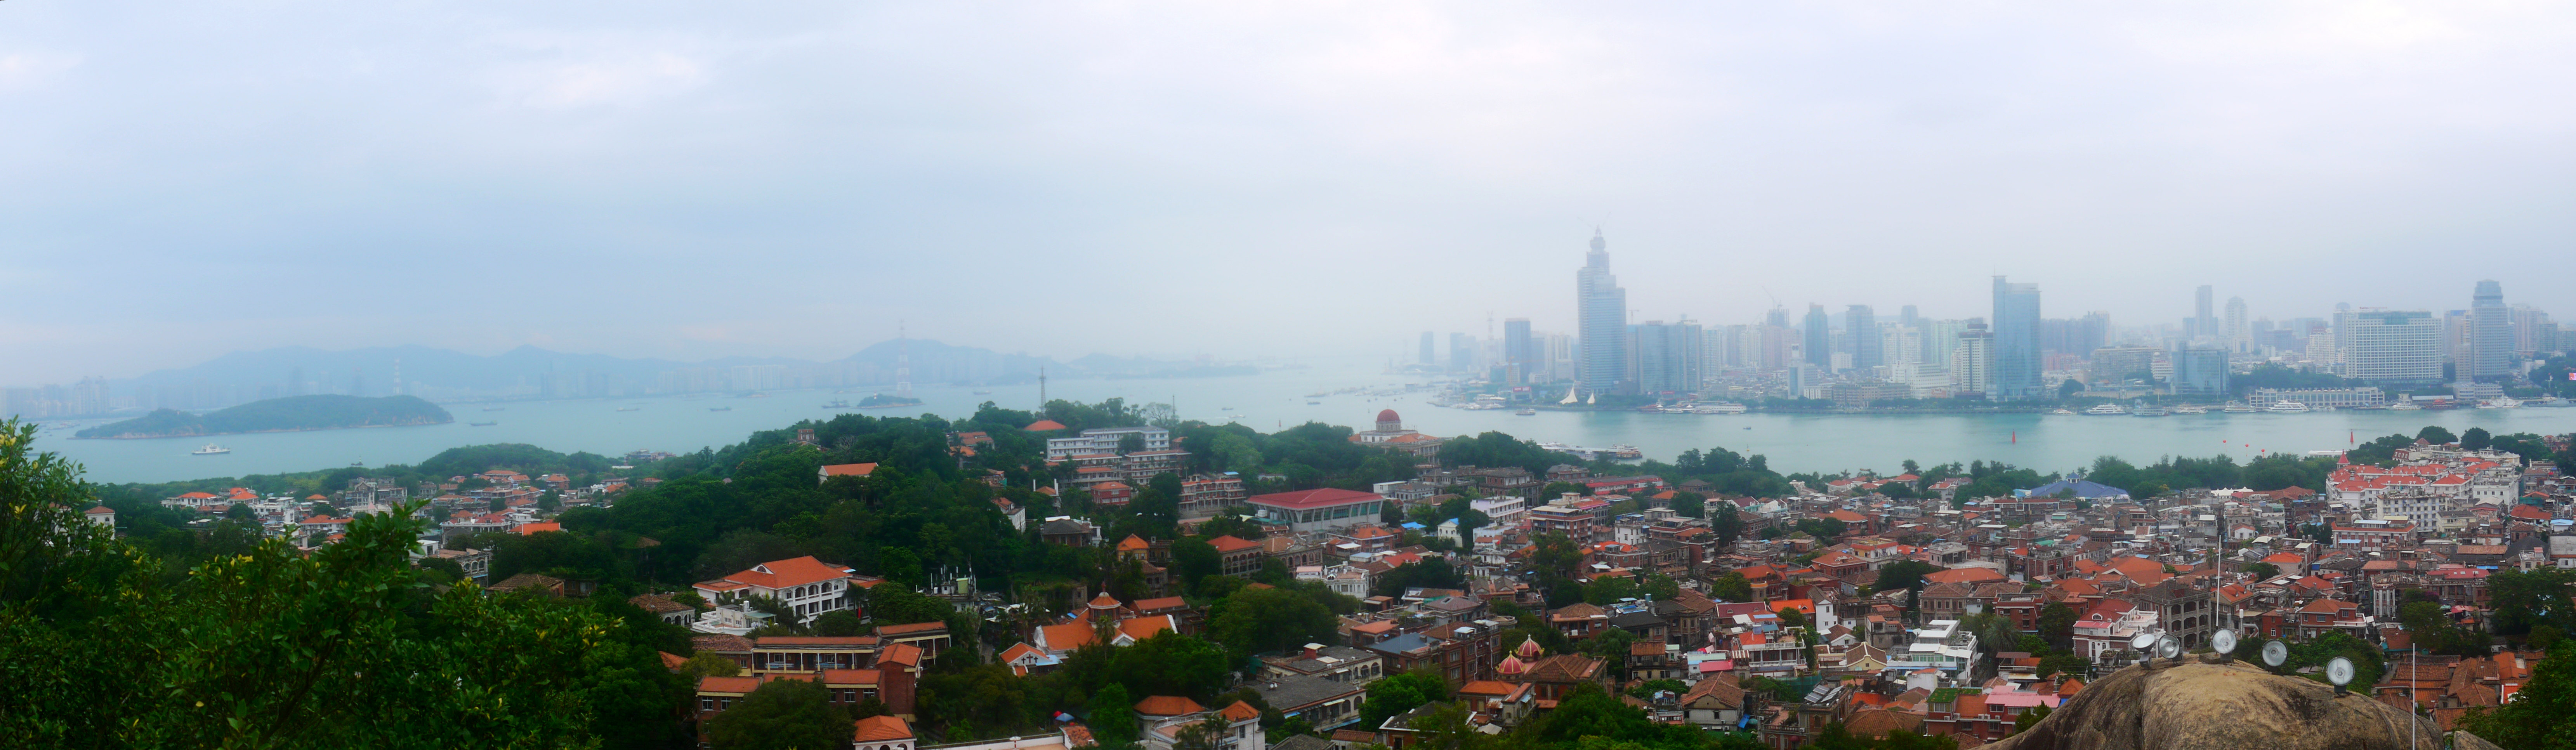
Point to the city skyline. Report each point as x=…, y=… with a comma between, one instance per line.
x=653, y=187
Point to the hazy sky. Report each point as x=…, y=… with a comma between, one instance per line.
x=690, y=180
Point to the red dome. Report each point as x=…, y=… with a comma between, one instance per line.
x=1388, y=415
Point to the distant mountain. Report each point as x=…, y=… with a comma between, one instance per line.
x=529, y=372
x=289, y=414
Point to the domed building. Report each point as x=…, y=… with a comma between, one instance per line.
x=1391, y=435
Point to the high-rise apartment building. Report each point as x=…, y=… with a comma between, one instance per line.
x=2490, y=334
x=2201, y=323
x=1602, y=308
x=2393, y=347
x=1462, y=353
x=2532, y=331
x=1429, y=357
x=1518, y=347
x=2016, y=342
x=1667, y=356
x=1868, y=349
x=1818, y=347
x=1972, y=360
x=2234, y=330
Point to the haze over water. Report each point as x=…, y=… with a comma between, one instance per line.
x=1276, y=399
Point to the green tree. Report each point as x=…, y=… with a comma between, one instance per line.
x=1611, y=647
x=2263, y=571
x=2436, y=435
x=1192, y=559
x=2476, y=439
x=1905, y=574
x=1397, y=694
x=781, y=715
x=1731, y=587
x=1252, y=621
x=2537, y=716
x=2057, y=624
x=1172, y=664
x=1111, y=714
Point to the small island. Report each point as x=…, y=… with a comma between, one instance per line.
x=882, y=401
x=290, y=414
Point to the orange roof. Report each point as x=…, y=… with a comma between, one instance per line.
x=1485, y=687
x=881, y=729
x=1229, y=543
x=1168, y=602
x=1167, y=705
x=198, y=496
x=1019, y=651
x=852, y=677
x=1044, y=425
x=848, y=470
x=779, y=574
x=1066, y=637
x=1963, y=575
x=1141, y=628
x=1133, y=542
x=901, y=653
x=713, y=684
x=1239, y=711
x=908, y=628
x=672, y=661
x=532, y=528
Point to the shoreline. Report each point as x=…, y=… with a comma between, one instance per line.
x=263, y=432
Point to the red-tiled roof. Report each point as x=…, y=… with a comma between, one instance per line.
x=848, y=470
x=1045, y=425
x=1317, y=498
x=1229, y=543
x=778, y=574
x=882, y=729
x=1167, y=705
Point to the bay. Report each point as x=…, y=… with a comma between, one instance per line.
x=1275, y=399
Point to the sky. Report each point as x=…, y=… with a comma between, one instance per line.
x=1238, y=179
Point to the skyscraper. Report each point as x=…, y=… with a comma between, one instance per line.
x=1668, y=356
x=2393, y=347
x=1907, y=317
x=1462, y=353
x=1429, y=357
x=1518, y=347
x=1972, y=360
x=2202, y=323
x=1602, y=309
x=2490, y=334
x=2199, y=372
x=1819, y=346
x=2238, y=335
x=1868, y=350
x=2016, y=329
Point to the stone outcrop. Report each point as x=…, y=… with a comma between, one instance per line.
x=2206, y=706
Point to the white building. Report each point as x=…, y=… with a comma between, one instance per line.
x=2392, y=346
x=1105, y=440
x=1939, y=645
x=808, y=587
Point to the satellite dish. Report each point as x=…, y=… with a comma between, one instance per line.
x=2143, y=642
x=2339, y=672
x=2275, y=652
x=2169, y=648
x=2223, y=641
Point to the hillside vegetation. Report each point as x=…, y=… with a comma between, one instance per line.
x=279, y=415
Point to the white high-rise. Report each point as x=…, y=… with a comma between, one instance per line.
x=2393, y=346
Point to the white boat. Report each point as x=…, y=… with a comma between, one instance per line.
x=1569, y=398
x=2149, y=411
x=2238, y=409
x=1719, y=408
x=2404, y=406
x=2287, y=407
x=1526, y=413
x=2106, y=410
x=2063, y=412
x=2189, y=410
x=2501, y=402
x=211, y=449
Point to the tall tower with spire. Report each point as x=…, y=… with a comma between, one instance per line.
x=1602, y=309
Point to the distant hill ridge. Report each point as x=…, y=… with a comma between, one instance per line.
x=289, y=414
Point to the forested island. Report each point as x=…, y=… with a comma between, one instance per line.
x=289, y=414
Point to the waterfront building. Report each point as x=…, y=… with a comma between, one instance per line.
x=1602, y=308
x=2016, y=343
x=2314, y=398
x=2202, y=323
x=2199, y=372
x=2490, y=335
x=1972, y=360
x=2392, y=346
x=1518, y=348
x=1666, y=356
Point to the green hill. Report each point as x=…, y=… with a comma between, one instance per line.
x=289, y=414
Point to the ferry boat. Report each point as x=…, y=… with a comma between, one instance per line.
x=2106, y=410
x=2149, y=411
x=2188, y=410
x=2404, y=406
x=1526, y=413
x=2063, y=412
x=2236, y=408
x=2287, y=407
x=1722, y=407
x=211, y=449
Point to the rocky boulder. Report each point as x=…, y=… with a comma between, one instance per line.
x=2207, y=706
